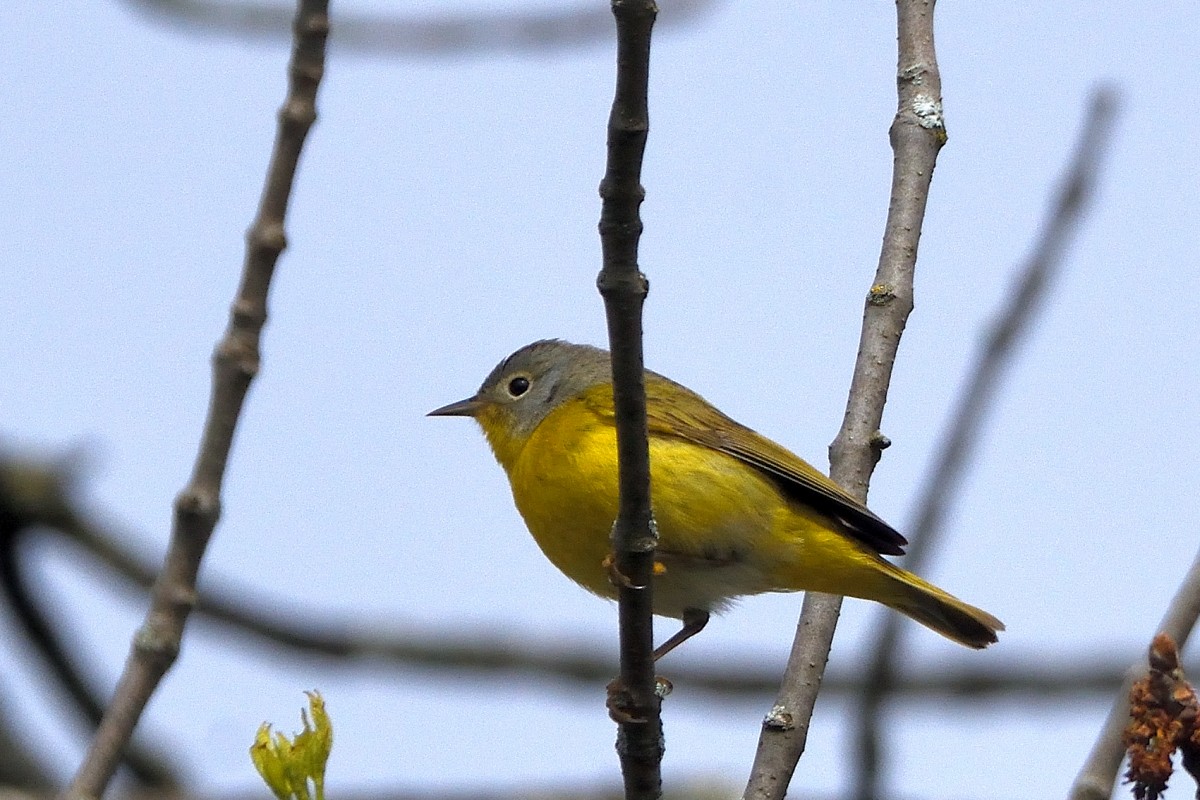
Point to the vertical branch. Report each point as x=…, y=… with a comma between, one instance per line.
x=917, y=134
x=235, y=363
x=624, y=288
x=973, y=406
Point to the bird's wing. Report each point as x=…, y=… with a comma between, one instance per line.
x=674, y=410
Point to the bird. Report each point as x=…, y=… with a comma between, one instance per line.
x=736, y=513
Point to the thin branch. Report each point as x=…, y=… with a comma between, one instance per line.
x=150, y=770
x=694, y=789
x=474, y=653
x=624, y=288
x=917, y=134
x=974, y=405
x=22, y=772
x=46, y=510
x=1099, y=772
x=35, y=496
x=235, y=363
x=444, y=34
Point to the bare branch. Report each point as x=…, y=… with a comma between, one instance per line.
x=1098, y=774
x=917, y=134
x=39, y=631
x=974, y=405
x=472, y=653
x=575, y=25
x=624, y=288
x=36, y=496
x=20, y=768
x=695, y=789
x=45, y=510
x=235, y=363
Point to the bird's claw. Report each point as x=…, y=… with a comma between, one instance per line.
x=620, y=701
x=618, y=578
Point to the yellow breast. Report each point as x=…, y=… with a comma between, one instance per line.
x=714, y=513
x=564, y=483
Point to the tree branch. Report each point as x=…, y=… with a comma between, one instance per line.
x=917, y=134
x=472, y=653
x=235, y=363
x=974, y=405
x=147, y=768
x=624, y=288
x=47, y=511
x=1099, y=772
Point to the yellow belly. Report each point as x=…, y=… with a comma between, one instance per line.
x=714, y=514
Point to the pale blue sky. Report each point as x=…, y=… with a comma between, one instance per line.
x=446, y=214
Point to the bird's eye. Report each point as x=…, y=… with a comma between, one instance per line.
x=518, y=386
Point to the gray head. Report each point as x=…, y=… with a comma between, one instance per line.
x=523, y=388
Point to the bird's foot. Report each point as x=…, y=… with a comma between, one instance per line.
x=620, y=702
x=618, y=578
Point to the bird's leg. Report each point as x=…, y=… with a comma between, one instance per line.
x=694, y=620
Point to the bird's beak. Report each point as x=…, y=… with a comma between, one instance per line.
x=463, y=408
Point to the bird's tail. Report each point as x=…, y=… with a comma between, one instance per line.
x=938, y=610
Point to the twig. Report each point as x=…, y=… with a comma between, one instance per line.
x=624, y=288
x=698, y=788
x=974, y=405
x=147, y=768
x=22, y=772
x=235, y=363
x=917, y=134
x=441, y=34
x=1099, y=772
x=35, y=496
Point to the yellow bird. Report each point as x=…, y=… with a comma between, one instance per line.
x=737, y=514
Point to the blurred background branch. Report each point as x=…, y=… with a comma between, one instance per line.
x=36, y=500
x=569, y=26
x=36, y=497
x=686, y=790
x=475, y=653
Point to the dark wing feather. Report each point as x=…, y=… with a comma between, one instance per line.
x=674, y=410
